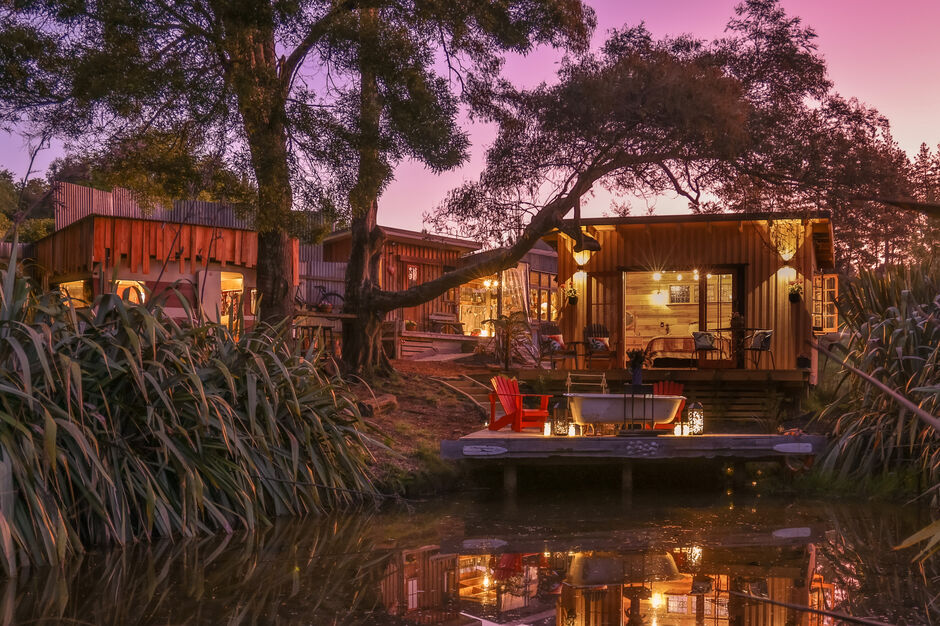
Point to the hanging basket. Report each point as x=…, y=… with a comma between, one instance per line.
x=794, y=298
x=572, y=300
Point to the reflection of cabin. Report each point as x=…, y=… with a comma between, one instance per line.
x=658, y=279
x=421, y=586
x=105, y=243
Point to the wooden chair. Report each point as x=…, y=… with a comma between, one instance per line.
x=506, y=392
x=594, y=348
x=669, y=388
x=758, y=344
x=546, y=351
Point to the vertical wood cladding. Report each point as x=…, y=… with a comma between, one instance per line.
x=729, y=245
x=135, y=245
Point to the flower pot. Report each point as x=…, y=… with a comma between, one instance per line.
x=794, y=297
x=573, y=300
x=638, y=376
x=325, y=307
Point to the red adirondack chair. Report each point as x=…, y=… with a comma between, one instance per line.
x=670, y=388
x=506, y=392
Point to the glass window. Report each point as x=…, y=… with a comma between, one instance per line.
x=411, y=273
x=78, y=291
x=825, y=312
x=233, y=285
x=130, y=290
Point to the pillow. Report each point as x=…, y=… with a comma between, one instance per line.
x=761, y=340
x=598, y=343
x=555, y=343
x=703, y=340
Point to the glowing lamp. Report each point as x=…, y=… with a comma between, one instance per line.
x=571, y=431
x=581, y=257
x=547, y=428
x=657, y=276
x=659, y=298
x=487, y=283
x=656, y=600
x=695, y=416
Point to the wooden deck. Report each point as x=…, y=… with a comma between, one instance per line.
x=486, y=446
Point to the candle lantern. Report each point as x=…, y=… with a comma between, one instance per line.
x=695, y=416
x=560, y=420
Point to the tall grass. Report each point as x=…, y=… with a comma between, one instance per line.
x=892, y=321
x=119, y=424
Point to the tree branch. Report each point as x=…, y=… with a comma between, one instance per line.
x=314, y=34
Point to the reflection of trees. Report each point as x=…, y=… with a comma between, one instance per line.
x=312, y=572
x=872, y=578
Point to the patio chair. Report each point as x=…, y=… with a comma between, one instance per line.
x=669, y=388
x=506, y=392
x=598, y=345
x=552, y=346
x=704, y=343
x=758, y=344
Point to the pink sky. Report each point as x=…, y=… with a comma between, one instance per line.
x=887, y=54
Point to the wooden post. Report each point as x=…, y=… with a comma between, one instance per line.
x=510, y=479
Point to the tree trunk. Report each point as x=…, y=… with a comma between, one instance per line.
x=362, y=336
x=253, y=70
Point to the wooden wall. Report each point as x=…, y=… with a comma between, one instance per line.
x=432, y=261
x=729, y=245
x=134, y=244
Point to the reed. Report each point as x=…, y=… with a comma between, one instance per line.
x=119, y=424
x=892, y=322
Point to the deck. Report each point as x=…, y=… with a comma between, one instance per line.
x=507, y=450
x=531, y=446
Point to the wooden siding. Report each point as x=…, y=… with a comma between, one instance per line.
x=431, y=262
x=134, y=245
x=702, y=245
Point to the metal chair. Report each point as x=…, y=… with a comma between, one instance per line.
x=704, y=342
x=758, y=344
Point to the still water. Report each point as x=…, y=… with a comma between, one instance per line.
x=565, y=559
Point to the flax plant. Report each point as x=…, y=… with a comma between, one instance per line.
x=120, y=424
x=892, y=330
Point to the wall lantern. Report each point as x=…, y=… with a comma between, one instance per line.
x=695, y=416
x=581, y=257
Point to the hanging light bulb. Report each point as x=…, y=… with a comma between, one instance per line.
x=678, y=276
x=657, y=276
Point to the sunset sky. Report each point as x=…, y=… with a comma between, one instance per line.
x=887, y=54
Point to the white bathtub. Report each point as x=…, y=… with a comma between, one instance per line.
x=614, y=408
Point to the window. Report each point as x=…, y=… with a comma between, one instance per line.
x=412, y=593
x=825, y=294
x=233, y=285
x=411, y=273
x=543, y=297
x=130, y=290
x=78, y=291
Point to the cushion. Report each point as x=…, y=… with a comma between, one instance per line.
x=761, y=340
x=598, y=343
x=703, y=340
x=555, y=343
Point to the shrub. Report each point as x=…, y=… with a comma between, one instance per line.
x=118, y=423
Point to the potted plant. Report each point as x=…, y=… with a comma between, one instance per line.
x=795, y=290
x=570, y=293
x=636, y=359
x=411, y=325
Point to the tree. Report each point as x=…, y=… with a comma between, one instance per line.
x=243, y=77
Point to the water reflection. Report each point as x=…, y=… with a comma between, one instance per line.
x=572, y=563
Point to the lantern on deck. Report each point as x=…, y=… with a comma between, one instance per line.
x=695, y=417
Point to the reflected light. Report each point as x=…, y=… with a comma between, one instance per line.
x=486, y=581
x=787, y=273
x=656, y=600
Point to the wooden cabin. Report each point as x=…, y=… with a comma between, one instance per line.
x=104, y=242
x=656, y=280
x=410, y=258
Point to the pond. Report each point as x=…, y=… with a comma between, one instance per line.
x=566, y=559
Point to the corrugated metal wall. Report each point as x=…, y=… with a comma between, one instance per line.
x=74, y=202
x=315, y=272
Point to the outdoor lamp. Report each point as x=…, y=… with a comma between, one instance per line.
x=695, y=416
x=547, y=428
